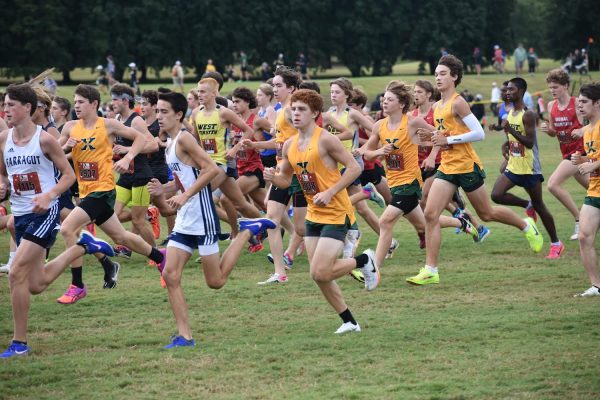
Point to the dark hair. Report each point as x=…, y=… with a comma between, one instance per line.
x=24, y=94
x=310, y=85
x=455, y=66
x=359, y=97
x=161, y=89
x=63, y=103
x=245, y=94
x=177, y=101
x=591, y=91
x=520, y=83
x=88, y=92
x=222, y=101
x=215, y=75
x=309, y=97
x=151, y=96
x=120, y=89
x=291, y=78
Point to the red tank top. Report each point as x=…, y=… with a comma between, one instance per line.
x=369, y=165
x=248, y=159
x=424, y=151
x=564, y=122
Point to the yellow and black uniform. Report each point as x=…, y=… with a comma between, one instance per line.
x=213, y=138
x=591, y=141
x=334, y=219
x=132, y=185
x=402, y=165
x=524, y=168
x=92, y=160
x=460, y=164
x=285, y=130
x=349, y=144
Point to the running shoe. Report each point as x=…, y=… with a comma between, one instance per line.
x=530, y=211
x=122, y=251
x=270, y=258
x=468, y=228
x=301, y=249
x=153, y=216
x=593, y=291
x=347, y=327
x=180, y=341
x=483, y=232
x=351, y=243
x=534, y=237
x=424, y=277
x=91, y=228
x=4, y=268
x=288, y=261
x=290, y=212
x=358, y=275
x=575, y=235
x=162, y=264
x=3, y=211
x=254, y=248
x=422, y=242
x=370, y=271
x=393, y=246
x=16, y=350
x=256, y=225
x=555, y=251
x=93, y=245
x=110, y=280
x=274, y=278
x=72, y=295
x=374, y=195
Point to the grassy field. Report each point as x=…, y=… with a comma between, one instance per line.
x=502, y=324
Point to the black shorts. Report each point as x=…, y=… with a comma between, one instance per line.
x=428, y=174
x=99, y=206
x=129, y=181
x=162, y=178
x=283, y=196
x=65, y=201
x=370, y=176
x=406, y=197
x=269, y=161
x=258, y=174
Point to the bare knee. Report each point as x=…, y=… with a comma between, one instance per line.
x=215, y=283
x=36, y=289
x=300, y=228
x=172, y=279
x=486, y=216
x=318, y=275
x=120, y=237
x=553, y=186
x=68, y=232
x=585, y=240
x=431, y=217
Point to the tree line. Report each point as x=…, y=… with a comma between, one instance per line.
x=368, y=37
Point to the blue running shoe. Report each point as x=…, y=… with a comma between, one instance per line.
x=16, y=350
x=256, y=225
x=180, y=341
x=291, y=212
x=483, y=232
x=93, y=245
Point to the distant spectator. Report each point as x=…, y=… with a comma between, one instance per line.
x=528, y=101
x=279, y=62
x=467, y=95
x=443, y=52
x=477, y=60
x=133, y=82
x=230, y=72
x=541, y=105
x=244, y=65
x=178, y=75
x=520, y=56
x=477, y=108
x=50, y=85
x=102, y=79
x=494, y=99
x=302, y=65
x=110, y=70
x=265, y=72
x=498, y=59
x=580, y=63
x=210, y=66
x=568, y=65
x=532, y=60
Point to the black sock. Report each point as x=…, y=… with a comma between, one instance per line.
x=107, y=264
x=361, y=260
x=47, y=254
x=156, y=256
x=77, y=277
x=346, y=316
x=19, y=342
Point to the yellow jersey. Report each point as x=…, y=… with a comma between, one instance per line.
x=458, y=158
x=212, y=134
x=521, y=160
x=314, y=177
x=591, y=141
x=402, y=164
x=283, y=131
x=344, y=120
x=92, y=158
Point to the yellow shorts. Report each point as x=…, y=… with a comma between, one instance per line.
x=137, y=196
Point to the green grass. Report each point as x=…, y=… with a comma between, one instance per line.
x=502, y=324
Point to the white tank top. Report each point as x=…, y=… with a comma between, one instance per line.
x=198, y=215
x=30, y=172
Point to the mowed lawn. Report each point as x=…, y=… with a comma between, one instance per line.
x=502, y=323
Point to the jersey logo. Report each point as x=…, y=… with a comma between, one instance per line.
x=11, y=150
x=87, y=143
x=590, y=146
x=393, y=142
x=440, y=123
x=303, y=165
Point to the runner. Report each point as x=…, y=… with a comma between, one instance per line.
x=564, y=124
x=457, y=127
x=313, y=156
x=524, y=168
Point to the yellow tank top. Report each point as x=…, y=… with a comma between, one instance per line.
x=521, y=159
x=591, y=141
x=457, y=158
x=92, y=158
x=314, y=177
x=344, y=119
x=402, y=164
x=213, y=135
x=283, y=131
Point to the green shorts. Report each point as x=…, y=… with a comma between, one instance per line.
x=334, y=231
x=592, y=201
x=469, y=181
x=294, y=186
x=413, y=188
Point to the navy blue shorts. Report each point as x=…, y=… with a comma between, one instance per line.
x=65, y=201
x=524, y=181
x=206, y=244
x=40, y=229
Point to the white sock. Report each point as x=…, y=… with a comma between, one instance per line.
x=431, y=269
x=529, y=205
x=11, y=255
x=556, y=244
x=527, y=227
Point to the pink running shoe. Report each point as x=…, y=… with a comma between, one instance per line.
x=91, y=228
x=555, y=251
x=530, y=211
x=72, y=295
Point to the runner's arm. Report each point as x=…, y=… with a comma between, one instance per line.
x=339, y=154
x=461, y=108
x=528, y=140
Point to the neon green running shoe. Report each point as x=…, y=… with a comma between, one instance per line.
x=424, y=277
x=534, y=237
x=358, y=275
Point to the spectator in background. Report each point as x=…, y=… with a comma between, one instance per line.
x=279, y=62
x=102, y=79
x=520, y=56
x=494, y=99
x=477, y=60
x=133, y=82
x=265, y=71
x=532, y=60
x=177, y=74
x=478, y=109
x=568, y=65
x=244, y=65
x=580, y=63
x=528, y=101
x=110, y=70
x=498, y=59
x=50, y=85
x=467, y=95
x=443, y=52
x=302, y=65
x=210, y=66
x=541, y=106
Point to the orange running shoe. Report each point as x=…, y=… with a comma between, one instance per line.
x=72, y=295
x=153, y=215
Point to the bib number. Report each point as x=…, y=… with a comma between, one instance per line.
x=395, y=162
x=516, y=149
x=209, y=145
x=280, y=151
x=308, y=182
x=88, y=171
x=29, y=182
x=595, y=173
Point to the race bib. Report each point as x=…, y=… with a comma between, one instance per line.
x=565, y=137
x=209, y=145
x=516, y=149
x=595, y=173
x=308, y=182
x=242, y=155
x=29, y=183
x=280, y=151
x=395, y=162
x=88, y=171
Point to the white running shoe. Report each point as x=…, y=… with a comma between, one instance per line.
x=351, y=243
x=593, y=291
x=392, y=249
x=275, y=278
x=4, y=268
x=370, y=271
x=575, y=235
x=347, y=327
